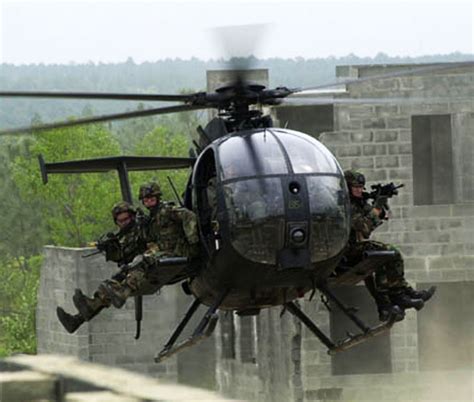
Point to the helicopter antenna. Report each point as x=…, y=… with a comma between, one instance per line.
x=202, y=133
x=175, y=192
x=196, y=145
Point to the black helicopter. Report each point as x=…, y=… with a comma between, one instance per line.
x=272, y=206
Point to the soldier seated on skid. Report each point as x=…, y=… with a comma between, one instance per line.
x=171, y=232
x=120, y=247
x=387, y=285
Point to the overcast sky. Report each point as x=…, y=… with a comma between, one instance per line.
x=111, y=31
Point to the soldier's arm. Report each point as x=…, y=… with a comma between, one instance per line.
x=188, y=220
x=133, y=244
x=109, y=243
x=189, y=223
x=366, y=222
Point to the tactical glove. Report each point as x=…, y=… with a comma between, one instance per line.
x=143, y=261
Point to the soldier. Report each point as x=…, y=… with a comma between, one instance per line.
x=171, y=232
x=388, y=285
x=120, y=247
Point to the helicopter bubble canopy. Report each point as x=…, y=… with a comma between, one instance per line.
x=283, y=190
x=265, y=153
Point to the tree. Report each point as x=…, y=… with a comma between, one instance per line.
x=75, y=208
x=21, y=231
x=163, y=142
x=131, y=131
x=18, y=306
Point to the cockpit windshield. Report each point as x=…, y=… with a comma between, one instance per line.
x=259, y=172
x=307, y=155
x=256, y=217
x=329, y=210
x=251, y=155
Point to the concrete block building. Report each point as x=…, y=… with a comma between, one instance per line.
x=110, y=337
x=415, y=128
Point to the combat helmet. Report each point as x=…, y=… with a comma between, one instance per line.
x=354, y=178
x=151, y=189
x=122, y=206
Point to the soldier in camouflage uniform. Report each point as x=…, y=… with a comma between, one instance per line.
x=171, y=232
x=388, y=285
x=120, y=247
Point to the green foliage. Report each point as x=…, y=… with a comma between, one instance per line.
x=21, y=232
x=131, y=131
x=184, y=123
x=18, y=290
x=71, y=210
x=75, y=208
x=162, y=142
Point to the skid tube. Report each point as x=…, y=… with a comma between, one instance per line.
x=351, y=340
x=204, y=329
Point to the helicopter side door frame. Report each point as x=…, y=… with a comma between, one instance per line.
x=203, y=179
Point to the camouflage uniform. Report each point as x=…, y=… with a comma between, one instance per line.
x=120, y=247
x=388, y=285
x=129, y=242
x=171, y=231
x=212, y=196
x=363, y=223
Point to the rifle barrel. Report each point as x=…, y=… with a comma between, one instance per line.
x=91, y=254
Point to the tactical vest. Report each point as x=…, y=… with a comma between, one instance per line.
x=166, y=232
x=363, y=220
x=132, y=243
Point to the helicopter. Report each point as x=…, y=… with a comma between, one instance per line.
x=272, y=205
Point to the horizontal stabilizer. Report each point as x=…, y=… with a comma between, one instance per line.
x=130, y=163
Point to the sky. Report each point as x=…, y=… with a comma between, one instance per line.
x=66, y=31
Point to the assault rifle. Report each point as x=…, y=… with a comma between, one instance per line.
x=108, y=243
x=385, y=190
x=381, y=193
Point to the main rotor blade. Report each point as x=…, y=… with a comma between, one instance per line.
x=310, y=101
x=96, y=95
x=103, y=118
x=393, y=74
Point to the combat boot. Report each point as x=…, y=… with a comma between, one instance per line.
x=387, y=311
x=117, y=292
x=405, y=301
x=424, y=295
x=70, y=322
x=88, y=308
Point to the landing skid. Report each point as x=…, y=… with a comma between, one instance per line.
x=204, y=329
x=352, y=340
x=352, y=275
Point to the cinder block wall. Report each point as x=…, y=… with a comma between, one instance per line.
x=289, y=363
x=273, y=372
x=435, y=240
x=109, y=337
